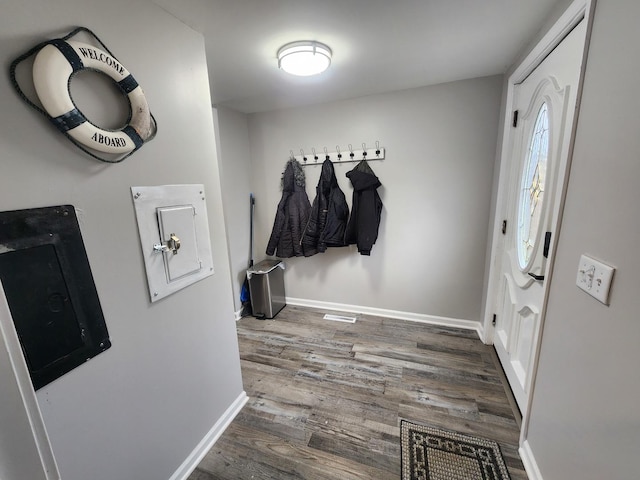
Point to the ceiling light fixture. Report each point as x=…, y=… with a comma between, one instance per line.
x=304, y=58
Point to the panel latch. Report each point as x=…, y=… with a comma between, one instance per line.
x=172, y=245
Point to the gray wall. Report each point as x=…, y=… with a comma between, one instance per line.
x=585, y=421
x=235, y=171
x=139, y=409
x=430, y=255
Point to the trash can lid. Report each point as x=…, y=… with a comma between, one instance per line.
x=265, y=266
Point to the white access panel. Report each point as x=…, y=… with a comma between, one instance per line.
x=174, y=236
x=185, y=261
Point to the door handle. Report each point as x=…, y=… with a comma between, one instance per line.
x=539, y=278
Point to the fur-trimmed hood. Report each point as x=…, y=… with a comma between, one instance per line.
x=292, y=177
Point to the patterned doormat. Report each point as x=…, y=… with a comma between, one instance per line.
x=433, y=454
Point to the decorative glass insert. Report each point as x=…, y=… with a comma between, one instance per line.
x=532, y=188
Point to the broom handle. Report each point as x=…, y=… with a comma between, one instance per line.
x=252, y=202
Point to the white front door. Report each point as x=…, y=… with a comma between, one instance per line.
x=529, y=201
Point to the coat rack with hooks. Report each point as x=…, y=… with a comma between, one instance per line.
x=339, y=156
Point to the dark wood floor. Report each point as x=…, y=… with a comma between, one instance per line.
x=326, y=397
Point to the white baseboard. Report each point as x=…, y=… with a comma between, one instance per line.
x=381, y=312
x=529, y=461
x=192, y=461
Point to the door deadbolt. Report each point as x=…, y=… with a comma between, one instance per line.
x=172, y=245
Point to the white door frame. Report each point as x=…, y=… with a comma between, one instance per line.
x=28, y=446
x=577, y=11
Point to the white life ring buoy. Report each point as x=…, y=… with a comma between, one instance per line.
x=52, y=68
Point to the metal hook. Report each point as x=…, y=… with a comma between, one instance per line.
x=364, y=150
x=377, y=148
x=351, y=150
x=315, y=157
x=326, y=154
x=292, y=157
x=338, y=150
x=304, y=158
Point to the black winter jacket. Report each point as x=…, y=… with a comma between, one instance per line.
x=329, y=214
x=365, y=209
x=291, y=216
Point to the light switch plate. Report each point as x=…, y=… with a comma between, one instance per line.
x=168, y=210
x=594, y=277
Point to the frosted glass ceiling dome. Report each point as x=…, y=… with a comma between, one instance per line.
x=304, y=58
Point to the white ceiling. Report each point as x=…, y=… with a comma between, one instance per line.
x=378, y=45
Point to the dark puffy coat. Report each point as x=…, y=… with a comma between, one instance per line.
x=329, y=213
x=291, y=216
x=365, y=209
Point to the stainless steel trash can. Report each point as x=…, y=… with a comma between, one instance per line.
x=266, y=288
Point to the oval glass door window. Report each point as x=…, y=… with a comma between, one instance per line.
x=532, y=189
